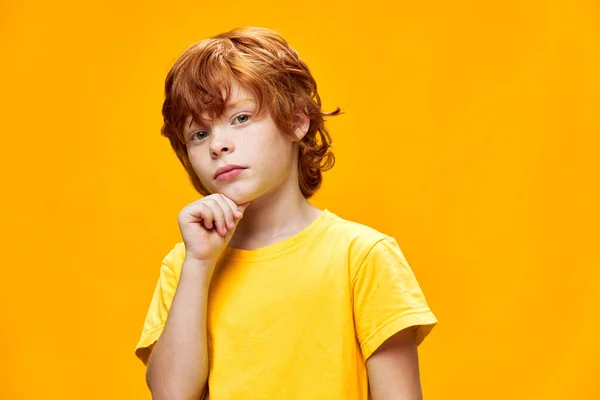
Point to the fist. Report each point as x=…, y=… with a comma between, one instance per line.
x=207, y=225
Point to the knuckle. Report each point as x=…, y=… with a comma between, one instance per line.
x=226, y=199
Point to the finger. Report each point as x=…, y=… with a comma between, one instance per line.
x=239, y=208
x=237, y=214
x=200, y=213
x=227, y=210
x=206, y=215
x=218, y=215
x=242, y=207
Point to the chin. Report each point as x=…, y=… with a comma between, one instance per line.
x=239, y=194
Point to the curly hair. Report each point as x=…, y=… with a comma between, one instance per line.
x=263, y=62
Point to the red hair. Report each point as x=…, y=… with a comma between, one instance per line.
x=262, y=62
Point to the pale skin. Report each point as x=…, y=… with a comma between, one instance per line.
x=261, y=206
x=393, y=368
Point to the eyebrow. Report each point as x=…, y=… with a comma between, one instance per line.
x=238, y=102
x=229, y=106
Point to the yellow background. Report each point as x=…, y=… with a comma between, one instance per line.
x=471, y=134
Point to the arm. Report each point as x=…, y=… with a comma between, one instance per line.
x=393, y=368
x=178, y=365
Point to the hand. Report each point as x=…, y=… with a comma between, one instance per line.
x=207, y=225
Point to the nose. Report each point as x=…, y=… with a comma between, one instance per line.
x=221, y=143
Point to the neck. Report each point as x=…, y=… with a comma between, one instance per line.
x=274, y=217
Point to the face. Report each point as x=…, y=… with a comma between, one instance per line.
x=268, y=157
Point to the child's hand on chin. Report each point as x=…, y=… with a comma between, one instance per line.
x=207, y=225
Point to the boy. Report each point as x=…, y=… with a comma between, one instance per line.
x=269, y=297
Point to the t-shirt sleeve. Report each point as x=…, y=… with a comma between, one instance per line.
x=387, y=298
x=157, y=313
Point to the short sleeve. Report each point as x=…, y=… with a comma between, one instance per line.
x=387, y=298
x=164, y=292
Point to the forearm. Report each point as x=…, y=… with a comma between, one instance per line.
x=178, y=365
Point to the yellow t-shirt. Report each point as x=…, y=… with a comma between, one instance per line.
x=297, y=319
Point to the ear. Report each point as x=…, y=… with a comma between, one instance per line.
x=301, y=124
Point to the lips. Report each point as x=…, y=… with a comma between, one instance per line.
x=227, y=168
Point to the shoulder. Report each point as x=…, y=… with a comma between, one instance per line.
x=356, y=233
x=360, y=240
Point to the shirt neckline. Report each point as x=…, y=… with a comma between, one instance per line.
x=283, y=246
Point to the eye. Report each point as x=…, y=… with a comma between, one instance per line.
x=195, y=135
x=242, y=118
